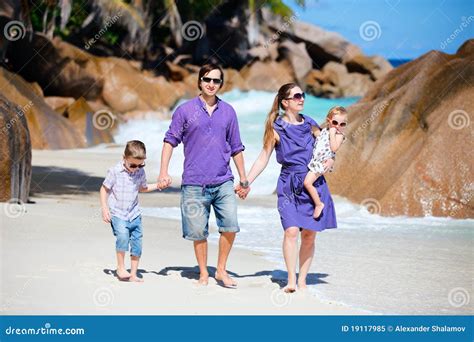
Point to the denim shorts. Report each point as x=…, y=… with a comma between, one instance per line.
x=128, y=233
x=196, y=202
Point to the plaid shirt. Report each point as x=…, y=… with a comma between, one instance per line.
x=124, y=187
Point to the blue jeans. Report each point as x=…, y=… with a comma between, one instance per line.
x=196, y=203
x=128, y=233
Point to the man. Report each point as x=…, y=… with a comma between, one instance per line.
x=209, y=130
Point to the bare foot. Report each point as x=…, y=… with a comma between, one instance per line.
x=289, y=289
x=225, y=280
x=318, y=210
x=123, y=274
x=136, y=279
x=302, y=286
x=203, y=280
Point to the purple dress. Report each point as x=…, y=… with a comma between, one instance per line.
x=294, y=152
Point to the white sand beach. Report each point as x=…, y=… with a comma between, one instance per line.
x=58, y=257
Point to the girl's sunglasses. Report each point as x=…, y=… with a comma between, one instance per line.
x=297, y=97
x=134, y=166
x=209, y=80
x=336, y=123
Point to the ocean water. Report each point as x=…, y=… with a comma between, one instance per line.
x=389, y=265
x=252, y=108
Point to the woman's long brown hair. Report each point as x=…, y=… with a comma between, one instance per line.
x=282, y=94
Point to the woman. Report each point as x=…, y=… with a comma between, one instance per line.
x=292, y=136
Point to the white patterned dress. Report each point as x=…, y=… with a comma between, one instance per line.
x=321, y=152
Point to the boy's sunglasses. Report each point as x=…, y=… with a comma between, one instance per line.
x=336, y=123
x=297, y=97
x=134, y=166
x=209, y=80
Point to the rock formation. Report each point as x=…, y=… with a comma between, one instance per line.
x=410, y=140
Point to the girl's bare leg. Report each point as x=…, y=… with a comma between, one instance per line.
x=308, y=184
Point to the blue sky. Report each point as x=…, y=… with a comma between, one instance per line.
x=395, y=29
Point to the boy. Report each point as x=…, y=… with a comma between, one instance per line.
x=119, y=202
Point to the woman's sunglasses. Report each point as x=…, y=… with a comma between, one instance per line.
x=297, y=97
x=209, y=80
x=336, y=123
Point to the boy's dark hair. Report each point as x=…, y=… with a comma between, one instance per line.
x=135, y=149
x=208, y=68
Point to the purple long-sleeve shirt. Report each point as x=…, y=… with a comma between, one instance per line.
x=209, y=141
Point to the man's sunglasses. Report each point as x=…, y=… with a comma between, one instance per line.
x=209, y=80
x=336, y=123
x=134, y=166
x=297, y=97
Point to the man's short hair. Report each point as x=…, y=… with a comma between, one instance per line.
x=206, y=68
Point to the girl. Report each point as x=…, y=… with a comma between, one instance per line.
x=328, y=141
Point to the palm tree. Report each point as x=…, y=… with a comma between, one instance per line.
x=276, y=6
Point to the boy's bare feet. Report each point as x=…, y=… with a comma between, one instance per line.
x=123, y=274
x=318, y=210
x=136, y=279
x=225, y=280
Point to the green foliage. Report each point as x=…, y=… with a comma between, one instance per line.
x=188, y=10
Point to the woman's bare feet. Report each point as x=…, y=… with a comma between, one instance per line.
x=291, y=285
x=136, y=279
x=123, y=274
x=302, y=286
x=318, y=210
x=225, y=280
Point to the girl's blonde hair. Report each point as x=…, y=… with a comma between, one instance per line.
x=282, y=94
x=336, y=110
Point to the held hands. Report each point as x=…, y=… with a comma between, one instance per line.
x=241, y=191
x=164, y=181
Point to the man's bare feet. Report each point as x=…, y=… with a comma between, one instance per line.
x=136, y=279
x=225, y=280
x=318, y=210
x=203, y=279
x=123, y=274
